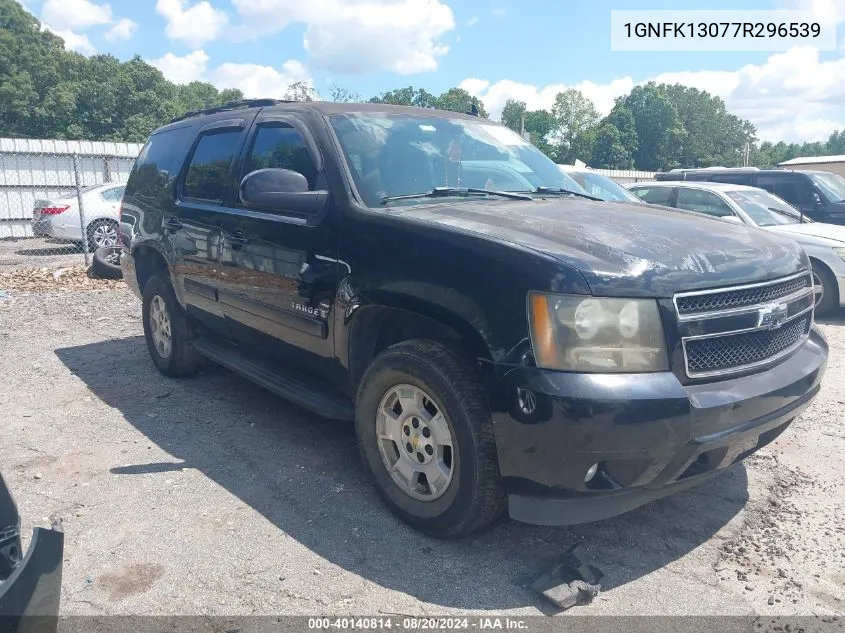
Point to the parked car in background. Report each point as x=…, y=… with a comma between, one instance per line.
x=817, y=194
x=30, y=583
x=597, y=184
x=58, y=218
x=824, y=243
x=560, y=356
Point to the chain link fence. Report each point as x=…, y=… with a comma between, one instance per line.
x=59, y=200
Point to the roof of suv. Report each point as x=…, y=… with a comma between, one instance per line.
x=327, y=108
x=694, y=184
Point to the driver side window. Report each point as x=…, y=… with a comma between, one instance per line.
x=281, y=146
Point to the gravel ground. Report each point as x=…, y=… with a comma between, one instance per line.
x=37, y=251
x=266, y=509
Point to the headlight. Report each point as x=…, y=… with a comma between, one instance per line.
x=592, y=334
x=840, y=251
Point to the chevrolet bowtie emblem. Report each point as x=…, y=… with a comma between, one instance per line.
x=772, y=316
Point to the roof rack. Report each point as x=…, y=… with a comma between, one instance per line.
x=232, y=105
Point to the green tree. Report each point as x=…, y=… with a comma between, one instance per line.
x=660, y=131
x=622, y=119
x=459, y=100
x=541, y=125
x=609, y=151
x=574, y=114
x=343, y=95
x=48, y=92
x=513, y=114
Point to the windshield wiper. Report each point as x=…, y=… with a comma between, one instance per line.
x=565, y=192
x=444, y=192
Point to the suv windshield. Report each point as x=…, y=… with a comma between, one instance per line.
x=764, y=209
x=401, y=154
x=602, y=186
x=832, y=186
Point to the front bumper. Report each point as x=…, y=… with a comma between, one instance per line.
x=649, y=434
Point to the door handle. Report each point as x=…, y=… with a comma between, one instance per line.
x=171, y=224
x=235, y=239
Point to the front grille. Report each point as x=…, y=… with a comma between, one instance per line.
x=749, y=296
x=729, y=330
x=740, y=350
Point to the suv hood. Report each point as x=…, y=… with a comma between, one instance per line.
x=625, y=249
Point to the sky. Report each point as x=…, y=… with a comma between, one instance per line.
x=496, y=49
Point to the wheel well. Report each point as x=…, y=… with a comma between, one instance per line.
x=377, y=328
x=147, y=262
x=818, y=264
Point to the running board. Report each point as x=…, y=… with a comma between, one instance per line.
x=301, y=391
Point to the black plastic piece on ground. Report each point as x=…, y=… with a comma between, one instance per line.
x=572, y=581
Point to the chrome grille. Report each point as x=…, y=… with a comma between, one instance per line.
x=738, y=328
x=739, y=350
x=747, y=296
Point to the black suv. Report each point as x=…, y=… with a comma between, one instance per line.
x=820, y=195
x=498, y=341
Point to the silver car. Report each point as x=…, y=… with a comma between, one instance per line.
x=58, y=218
x=824, y=243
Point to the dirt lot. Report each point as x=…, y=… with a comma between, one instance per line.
x=33, y=252
x=209, y=495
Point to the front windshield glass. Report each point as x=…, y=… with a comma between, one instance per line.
x=831, y=185
x=400, y=154
x=602, y=186
x=764, y=208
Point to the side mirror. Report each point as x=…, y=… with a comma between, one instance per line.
x=732, y=218
x=281, y=190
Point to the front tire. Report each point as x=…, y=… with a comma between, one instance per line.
x=425, y=434
x=829, y=298
x=167, y=331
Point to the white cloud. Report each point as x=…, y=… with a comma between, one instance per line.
x=472, y=21
x=182, y=70
x=254, y=80
x=257, y=81
x=195, y=24
x=825, y=11
x=121, y=30
x=78, y=42
x=498, y=12
x=495, y=95
x=69, y=15
x=402, y=36
x=792, y=96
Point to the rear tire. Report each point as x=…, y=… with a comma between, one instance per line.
x=420, y=371
x=830, y=290
x=167, y=331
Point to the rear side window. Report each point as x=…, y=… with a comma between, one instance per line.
x=281, y=146
x=656, y=195
x=159, y=161
x=732, y=179
x=208, y=173
x=113, y=195
x=794, y=189
x=703, y=202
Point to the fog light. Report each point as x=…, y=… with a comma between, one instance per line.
x=591, y=473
